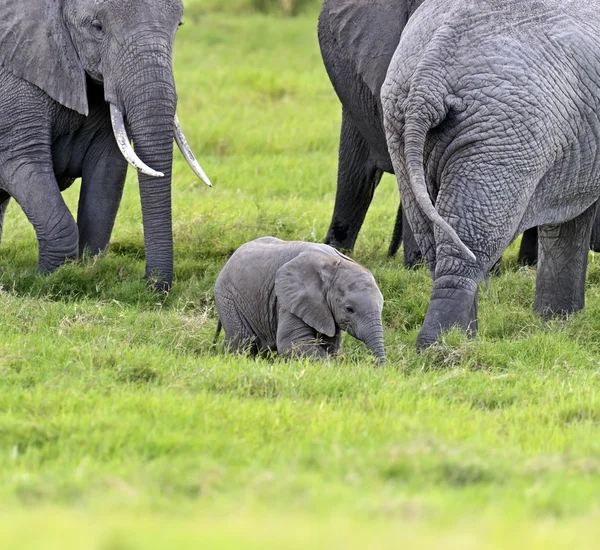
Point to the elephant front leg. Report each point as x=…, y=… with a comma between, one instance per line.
x=562, y=265
x=296, y=338
x=103, y=178
x=332, y=344
x=35, y=189
x=357, y=179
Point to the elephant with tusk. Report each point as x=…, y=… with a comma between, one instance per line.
x=74, y=91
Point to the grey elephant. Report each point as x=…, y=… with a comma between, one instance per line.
x=357, y=41
x=491, y=110
x=78, y=79
x=295, y=297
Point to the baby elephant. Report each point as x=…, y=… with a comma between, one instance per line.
x=296, y=298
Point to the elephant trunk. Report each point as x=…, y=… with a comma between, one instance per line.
x=149, y=101
x=371, y=333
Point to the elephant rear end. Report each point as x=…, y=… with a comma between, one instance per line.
x=486, y=121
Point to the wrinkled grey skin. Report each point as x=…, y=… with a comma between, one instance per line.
x=296, y=297
x=61, y=62
x=358, y=39
x=496, y=120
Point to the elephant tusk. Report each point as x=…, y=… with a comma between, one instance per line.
x=118, y=124
x=186, y=151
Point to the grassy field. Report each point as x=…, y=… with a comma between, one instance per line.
x=123, y=427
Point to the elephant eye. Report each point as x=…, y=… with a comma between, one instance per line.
x=349, y=309
x=97, y=26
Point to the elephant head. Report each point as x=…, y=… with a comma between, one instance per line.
x=330, y=292
x=125, y=45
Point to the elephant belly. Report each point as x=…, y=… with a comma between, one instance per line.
x=566, y=191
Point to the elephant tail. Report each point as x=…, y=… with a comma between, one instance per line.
x=218, y=331
x=415, y=134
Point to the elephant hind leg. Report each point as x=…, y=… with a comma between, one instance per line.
x=562, y=265
x=412, y=253
x=453, y=304
x=241, y=343
x=357, y=180
x=4, y=200
x=595, y=238
x=239, y=338
x=528, y=252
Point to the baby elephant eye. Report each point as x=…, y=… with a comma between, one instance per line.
x=97, y=26
x=349, y=309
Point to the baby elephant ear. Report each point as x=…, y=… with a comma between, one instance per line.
x=35, y=45
x=300, y=288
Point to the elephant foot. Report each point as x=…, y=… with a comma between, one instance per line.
x=453, y=304
x=53, y=254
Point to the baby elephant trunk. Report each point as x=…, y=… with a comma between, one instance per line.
x=371, y=333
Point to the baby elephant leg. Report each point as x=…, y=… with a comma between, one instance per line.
x=562, y=265
x=295, y=337
x=239, y=338
x=332, y=344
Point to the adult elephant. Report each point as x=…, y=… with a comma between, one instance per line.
x=78, y=79
x=492, y=110
x=358, y=40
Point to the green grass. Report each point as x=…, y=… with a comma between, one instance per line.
x=122, y=426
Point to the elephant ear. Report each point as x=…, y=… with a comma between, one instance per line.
x=35, y=45
x=369, y=31
x=300, y=287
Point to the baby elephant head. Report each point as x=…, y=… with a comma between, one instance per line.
x=331, y=293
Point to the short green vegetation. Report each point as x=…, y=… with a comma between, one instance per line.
x=123, y=427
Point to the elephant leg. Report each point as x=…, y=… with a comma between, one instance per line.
x=36, y=191
x=528, y=252
x=4, y=200
x=453, y=304
x=332, y=344
x=103, y=178
x=485, y=223
x=397, y=233
x=412, y=252
x=595, y=238
x=562, y=265
x=402, y=231
x=357, y=179
x=239, y=338
x=296, y=338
